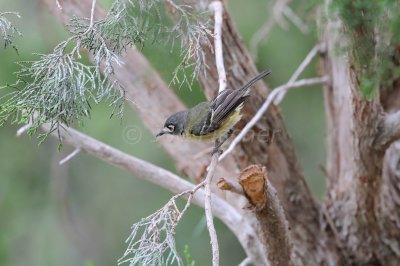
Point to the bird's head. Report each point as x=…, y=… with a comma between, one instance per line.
x=174, y=125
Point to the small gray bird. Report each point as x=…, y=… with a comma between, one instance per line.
x=211, y=120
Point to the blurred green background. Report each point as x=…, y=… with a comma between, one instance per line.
x=80, y=213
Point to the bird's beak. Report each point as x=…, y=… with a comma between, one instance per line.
x=162, y=132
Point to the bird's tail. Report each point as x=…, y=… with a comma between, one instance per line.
x=255, y=79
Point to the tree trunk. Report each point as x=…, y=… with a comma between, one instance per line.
x=362, y=200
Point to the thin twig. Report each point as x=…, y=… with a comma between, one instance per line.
x=266, y=104
x=295, y=19
x=218, y=9
x=263, y=32
x=69, y=156
x=307, y=60
x=305, y=63
x=208, y=210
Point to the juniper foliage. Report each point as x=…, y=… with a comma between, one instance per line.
x=59, y=88
x=7, y=30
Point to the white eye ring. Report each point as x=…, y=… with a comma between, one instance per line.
x=171, y=127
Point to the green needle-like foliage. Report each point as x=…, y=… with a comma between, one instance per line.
x=8, y=30
x=58, y=88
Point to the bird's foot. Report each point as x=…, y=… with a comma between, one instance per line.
x=217, y=150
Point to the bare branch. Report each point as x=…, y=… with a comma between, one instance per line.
x=390, y=131
x=219, y=60
x=70, y=156
x=264, y=31
x=307, y=60
x=208, y=210
x=271, y=97
x=295, y=19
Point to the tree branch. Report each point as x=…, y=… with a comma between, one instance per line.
x=208, y=210
x=307, y=60
x=218, y=9
x=263, y=32
x=295, y=19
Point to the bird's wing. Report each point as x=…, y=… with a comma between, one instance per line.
x=229, y=100
x=225, y=104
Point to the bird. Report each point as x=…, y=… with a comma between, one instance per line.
x=214, y=119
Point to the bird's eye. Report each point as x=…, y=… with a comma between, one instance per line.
x=171, y=127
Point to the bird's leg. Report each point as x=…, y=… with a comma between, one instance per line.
x=217, y=146
x=220, y=141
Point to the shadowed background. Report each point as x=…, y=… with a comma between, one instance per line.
x=80, y=213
